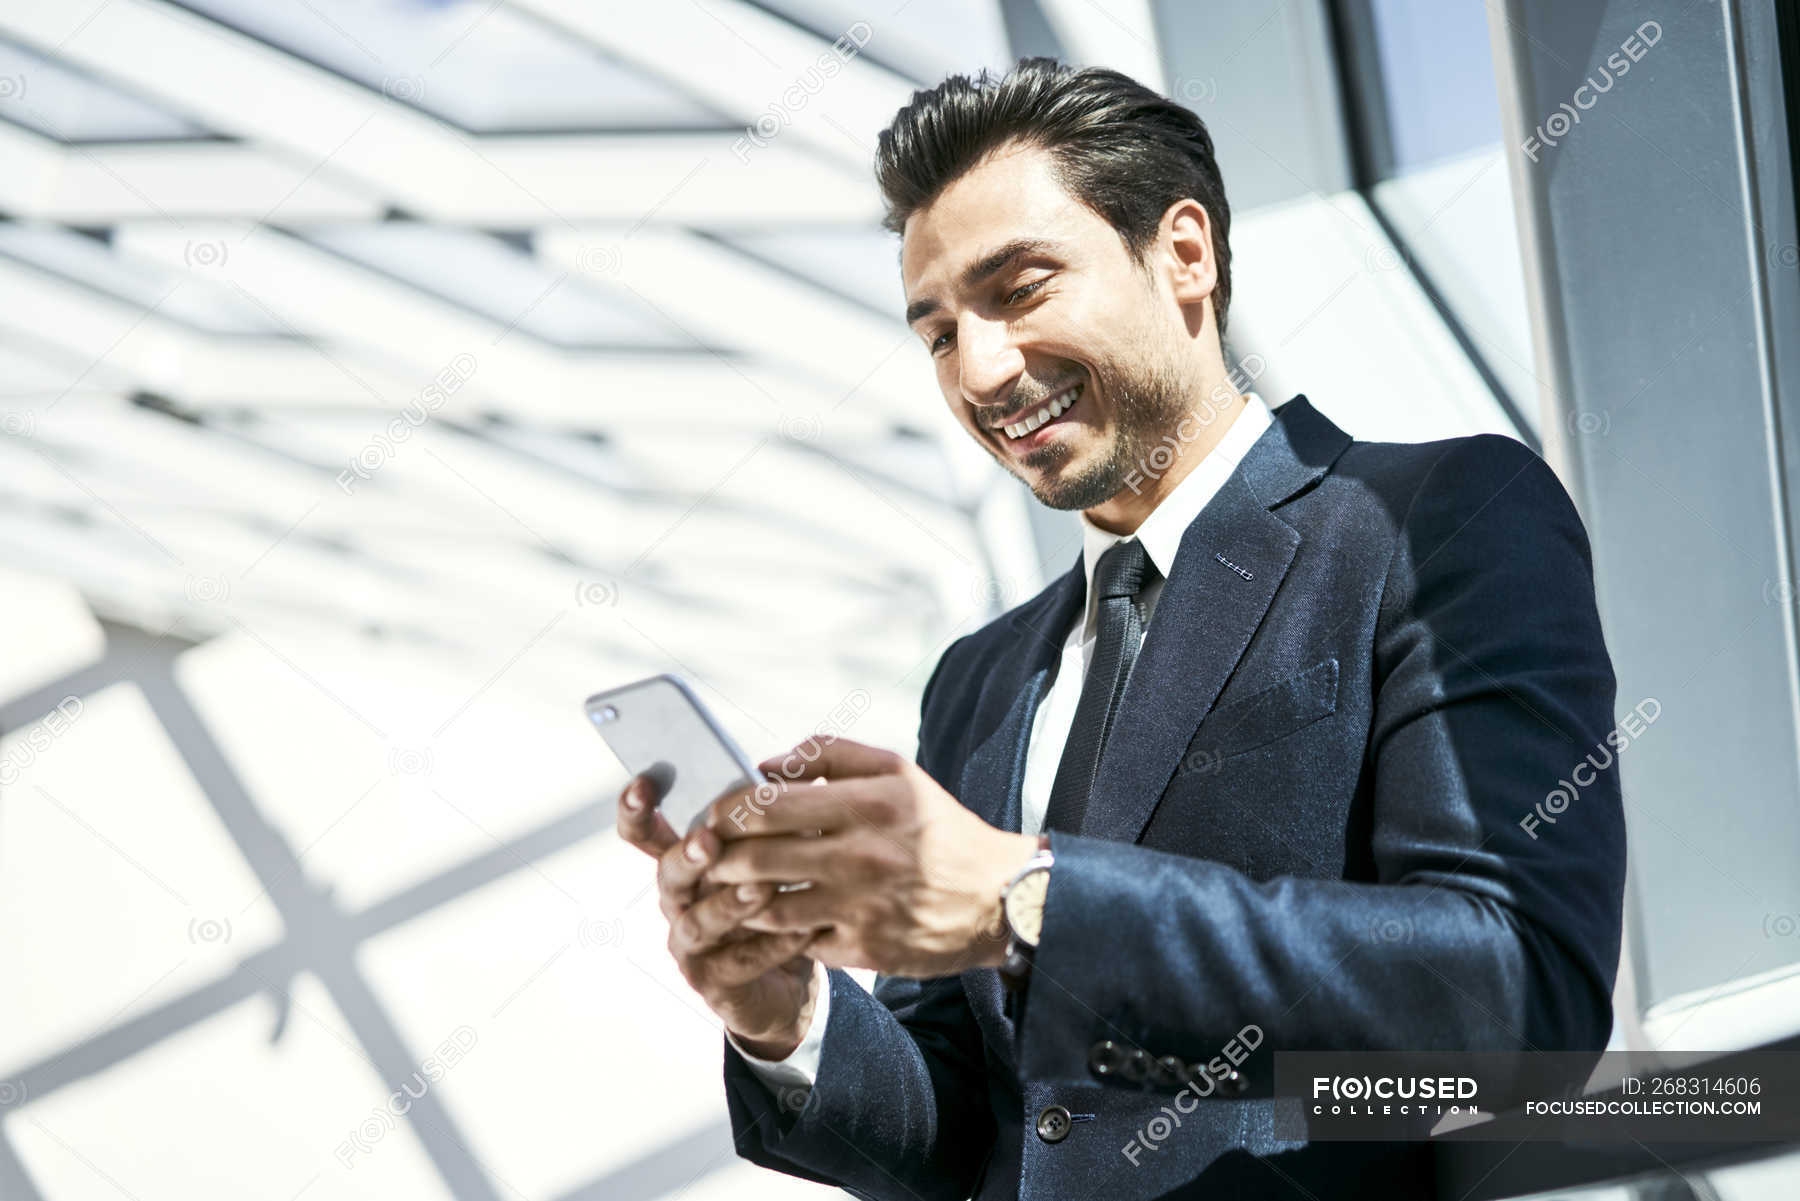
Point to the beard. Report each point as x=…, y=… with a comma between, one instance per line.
x=1147, y=404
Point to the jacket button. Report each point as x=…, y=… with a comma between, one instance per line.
x=1167, y=1072
x=1137, y=1065
x=1053, y=1124
x=1105, y=1057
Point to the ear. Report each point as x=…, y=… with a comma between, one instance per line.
x=1191, y=266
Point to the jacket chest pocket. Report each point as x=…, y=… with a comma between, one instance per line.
x=1264, y=717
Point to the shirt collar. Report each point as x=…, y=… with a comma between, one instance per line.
x=1161, y=531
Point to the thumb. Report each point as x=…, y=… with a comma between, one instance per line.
x=832, y=759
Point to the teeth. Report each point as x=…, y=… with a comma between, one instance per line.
x=1050, y=412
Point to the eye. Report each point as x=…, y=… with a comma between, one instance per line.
x=937, y=343
x=1027, y=290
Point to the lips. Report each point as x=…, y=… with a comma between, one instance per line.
x=1020, y=431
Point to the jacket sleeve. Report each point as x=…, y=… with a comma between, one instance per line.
x=899, y=1111
x=1482, y=930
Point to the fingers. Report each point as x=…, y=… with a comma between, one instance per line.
x=709, y=920
x=679, y=869
x=639, y=822
x=788, y=809
x=728, y=811
x=741, y=962
x=836, y=760
x=794, y=912
x=771, y=860
x=833, y=948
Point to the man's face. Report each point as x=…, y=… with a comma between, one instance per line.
x=1059, y=357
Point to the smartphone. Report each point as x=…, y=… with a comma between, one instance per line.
x=658, y=728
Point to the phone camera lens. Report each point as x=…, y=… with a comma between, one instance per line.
x=605, y=714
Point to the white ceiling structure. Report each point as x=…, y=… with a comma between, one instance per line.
x=377, y=379
x=275, y=222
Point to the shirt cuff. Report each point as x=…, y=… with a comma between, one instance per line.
x=801, y=1067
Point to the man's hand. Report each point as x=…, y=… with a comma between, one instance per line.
x=762, y=985
x=903, y=878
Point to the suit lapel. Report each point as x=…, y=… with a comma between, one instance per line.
x=1179, y=672
x=995, y=769
x=1232, y=560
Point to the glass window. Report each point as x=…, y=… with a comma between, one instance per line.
x=1426, y=141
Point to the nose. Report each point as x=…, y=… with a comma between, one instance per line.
x=988, y=363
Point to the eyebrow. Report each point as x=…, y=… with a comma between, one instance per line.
x=984, y=268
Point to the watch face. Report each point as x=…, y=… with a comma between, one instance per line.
x=1025, y=905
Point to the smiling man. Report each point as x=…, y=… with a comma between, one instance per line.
x=1248, y=777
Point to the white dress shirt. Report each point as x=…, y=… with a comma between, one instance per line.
x=1161, y=534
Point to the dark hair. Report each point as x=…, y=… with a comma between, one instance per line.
x=1118, y=147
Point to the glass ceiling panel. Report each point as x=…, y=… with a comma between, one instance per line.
x=490, y=277
x=474, y=63
x=912, y=40
x=184, y=296
x=70, y=106
x=858, y=262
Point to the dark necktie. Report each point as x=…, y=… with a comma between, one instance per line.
x=1118, y=577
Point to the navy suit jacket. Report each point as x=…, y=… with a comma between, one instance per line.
x=1372, y=660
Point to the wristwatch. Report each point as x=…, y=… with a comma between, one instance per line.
x=1022, y=908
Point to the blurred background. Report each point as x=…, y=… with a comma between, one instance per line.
x=378, y=378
